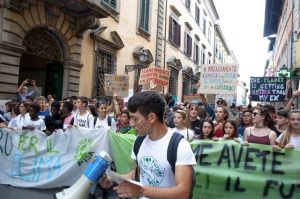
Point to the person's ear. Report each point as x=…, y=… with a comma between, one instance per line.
x=152, y=117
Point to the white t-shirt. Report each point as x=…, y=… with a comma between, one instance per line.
x=185, y=132
x=38, y=124
x=294, y=140
x=21, y=120
x=103, y=124
x=84, y=121
x=155, y=170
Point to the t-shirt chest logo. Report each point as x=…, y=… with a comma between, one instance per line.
x=151, y=172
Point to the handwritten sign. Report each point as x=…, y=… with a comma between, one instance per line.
x=218, y=79
x=116, y=85
x=267, y=89
x=158, y=76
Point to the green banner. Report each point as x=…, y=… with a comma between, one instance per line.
x=229, y=170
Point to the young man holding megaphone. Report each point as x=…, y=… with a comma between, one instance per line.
x=151, y=154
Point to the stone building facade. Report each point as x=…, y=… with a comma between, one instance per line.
x=42, y=40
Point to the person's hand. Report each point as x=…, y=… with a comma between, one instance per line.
x=289, y=146
x=128, y=190
x=26, y=81
x=246, y=143
x=296, y=93
x=152, y=85
x=105, y=183
x=215, y=138
x=275, y=147
x=226, y=136
x=3, y=125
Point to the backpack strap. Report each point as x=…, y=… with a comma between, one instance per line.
x=95, y=121
x=109, y=120
x=172, y=149
x=137, y=144
x=136, y=147
x=187, y=134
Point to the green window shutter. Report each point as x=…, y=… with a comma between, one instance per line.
x=111, y=3
x=144, y=15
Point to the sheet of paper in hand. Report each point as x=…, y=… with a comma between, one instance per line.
x=117, y=178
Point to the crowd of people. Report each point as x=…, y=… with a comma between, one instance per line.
x=158, y=118
x=195, y=120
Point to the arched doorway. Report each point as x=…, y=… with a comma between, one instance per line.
x=43, y=62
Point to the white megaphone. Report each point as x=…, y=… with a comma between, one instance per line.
x=91, y=175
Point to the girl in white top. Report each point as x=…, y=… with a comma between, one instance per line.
x=290, y=138
x=103, y=121
x=180, y=125
x=22, y=116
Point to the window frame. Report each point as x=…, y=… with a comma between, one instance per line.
x=174, y=32
x=188, y=44
x=142, y=22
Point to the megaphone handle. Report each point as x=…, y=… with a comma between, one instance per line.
x=93, y=191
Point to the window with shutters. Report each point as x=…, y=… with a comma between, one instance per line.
x=186, y=84
x=105, y=64
x=197, y=14
x=188, y=4
x=144, y=14
x=174, y=32
x=209, y=61
x=204, y=26
x=188, y=42
x=112, y=4
x=173, y=81
x=209, y=34
x=203, y=56
x=196, y=53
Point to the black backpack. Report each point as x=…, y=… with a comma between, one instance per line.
x=108, y=121
x=171, y=155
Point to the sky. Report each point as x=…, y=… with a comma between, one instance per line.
x=242, y=24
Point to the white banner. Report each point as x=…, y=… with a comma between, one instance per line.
x=32, y=159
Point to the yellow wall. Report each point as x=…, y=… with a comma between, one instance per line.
x=126, y=27
x=87, y=59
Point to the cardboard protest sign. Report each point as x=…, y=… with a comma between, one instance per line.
x=267, y=89
x=116, y=85
x=158, y=76
x=218, y=79
x=234, y=170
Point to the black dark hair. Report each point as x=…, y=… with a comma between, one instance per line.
x=148, y=102
x=68, y=105
x=283, y=113
x=84, y=100
x=125, y=111
x=35, y=107
x=100, y=102
x=270, y=108
x=15, y=109
x=93, y=110
x=56, y=105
